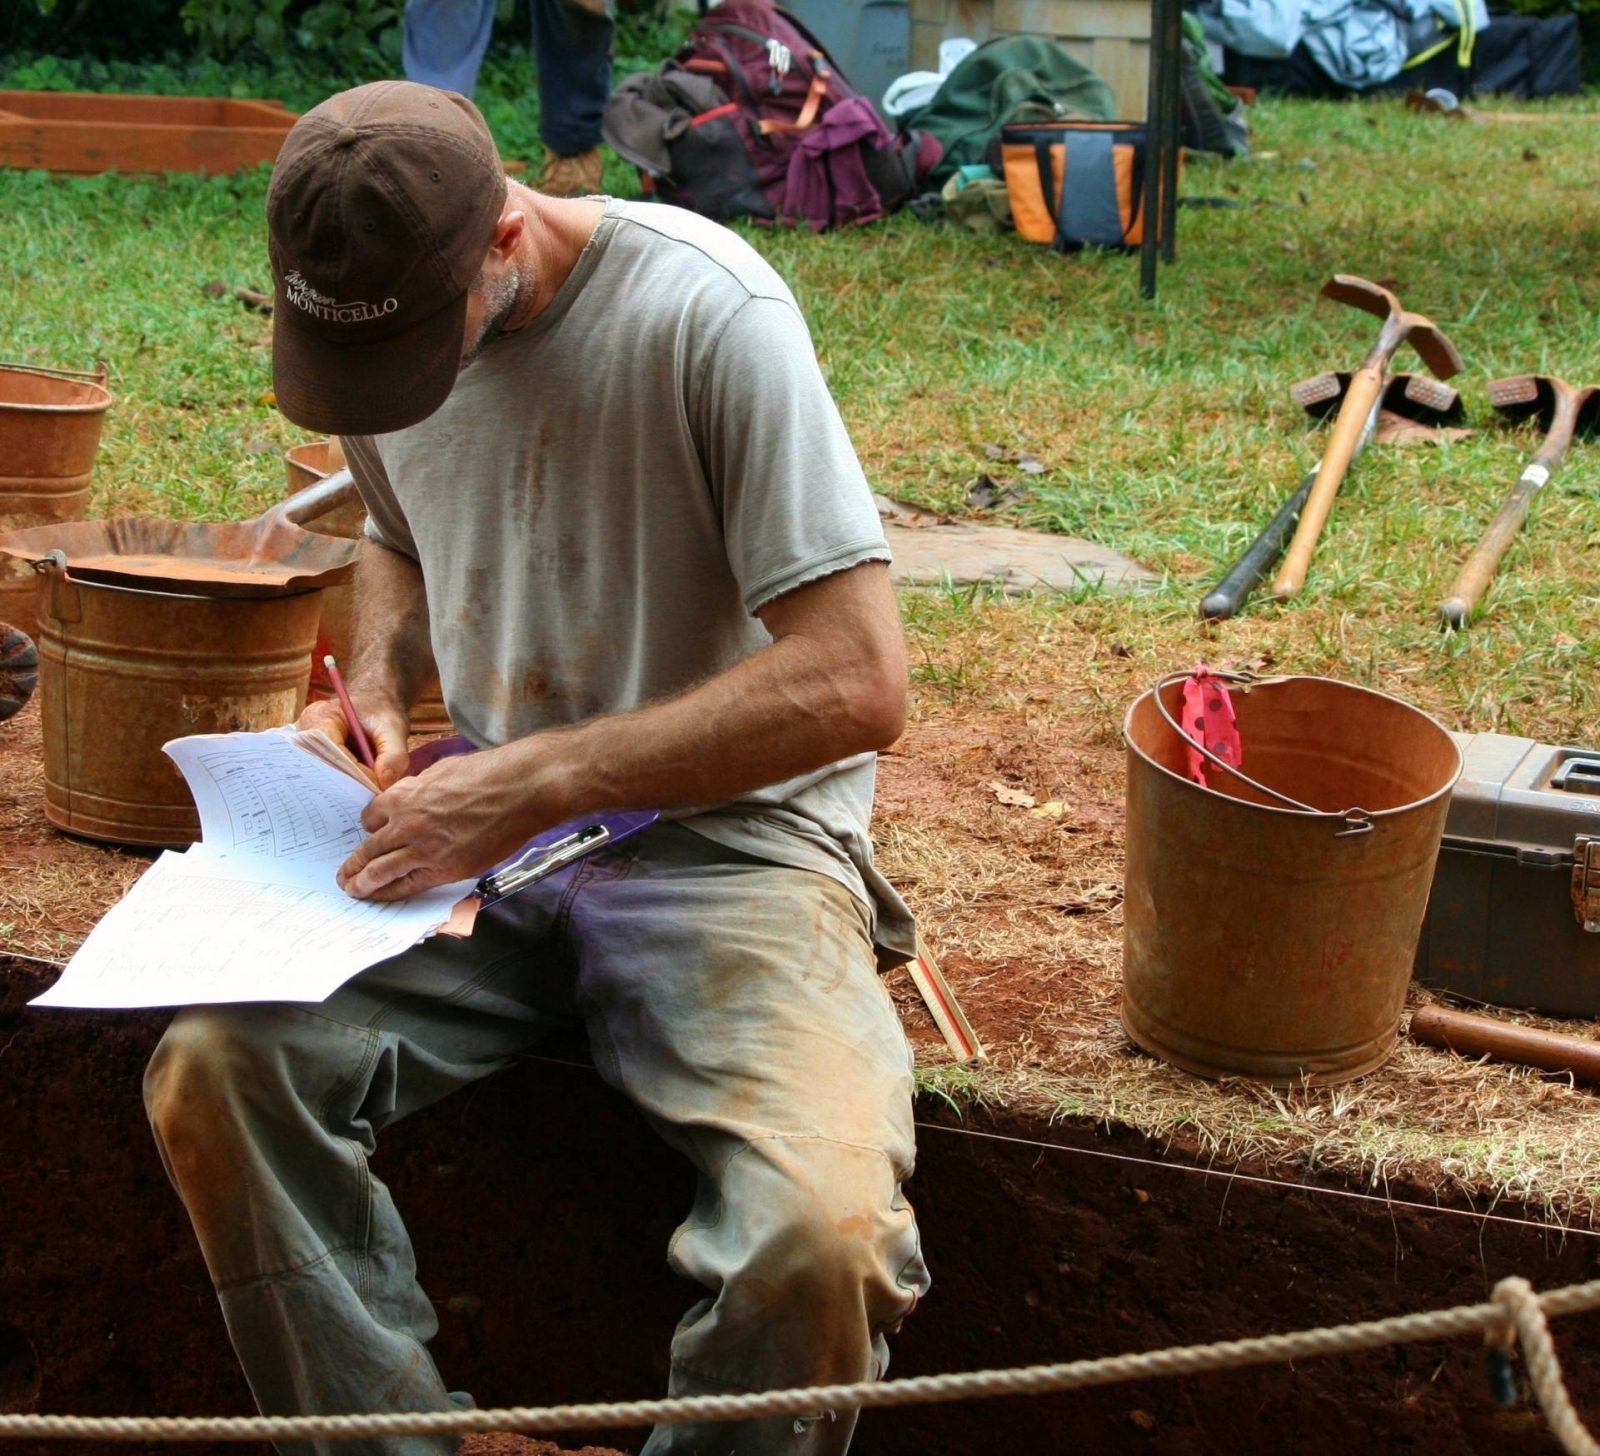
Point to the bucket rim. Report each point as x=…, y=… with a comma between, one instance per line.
x=136, y=591
x=1331, y=816
x=78, y=381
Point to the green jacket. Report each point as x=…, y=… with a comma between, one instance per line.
x=1011, y=78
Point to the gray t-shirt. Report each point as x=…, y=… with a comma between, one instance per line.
x=611, y=492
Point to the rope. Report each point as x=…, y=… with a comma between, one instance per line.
x=1544, y=1369
x=1514, y=1304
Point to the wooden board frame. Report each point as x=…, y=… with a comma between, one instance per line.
x=85, y=132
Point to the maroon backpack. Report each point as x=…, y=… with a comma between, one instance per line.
x=752, y=119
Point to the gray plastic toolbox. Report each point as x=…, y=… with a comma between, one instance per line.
x=1514, y=915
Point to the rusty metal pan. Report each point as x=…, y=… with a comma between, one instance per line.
x=266, y=557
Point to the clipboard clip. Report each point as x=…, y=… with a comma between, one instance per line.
x=541, y=860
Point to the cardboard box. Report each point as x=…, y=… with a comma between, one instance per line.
x=1111, y=37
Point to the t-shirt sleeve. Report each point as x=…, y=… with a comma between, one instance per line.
x=795, y=504
x=386, y=522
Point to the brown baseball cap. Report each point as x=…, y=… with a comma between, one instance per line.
x=382, y=205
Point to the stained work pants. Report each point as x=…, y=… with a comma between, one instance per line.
x=734, y=1001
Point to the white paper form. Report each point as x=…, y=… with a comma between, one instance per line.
x=253, y=913
x=264, y=794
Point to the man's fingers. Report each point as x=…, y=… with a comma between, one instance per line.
x=414, y=882
x=325, y=715
x=388, y=735
x=367, y=876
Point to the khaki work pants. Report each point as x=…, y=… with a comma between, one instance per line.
x=734, y=1001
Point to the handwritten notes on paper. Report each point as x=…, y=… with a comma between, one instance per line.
x=252, y=912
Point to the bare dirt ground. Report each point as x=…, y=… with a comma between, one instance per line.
x=1000, y=818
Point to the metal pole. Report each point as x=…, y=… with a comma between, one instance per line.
x=1154, y=138
x=1172, y=120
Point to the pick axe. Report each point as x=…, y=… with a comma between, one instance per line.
x=1563, y=411
x=1413, y=395
x=1364, y=390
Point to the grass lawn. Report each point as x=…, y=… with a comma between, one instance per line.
x=1165, y=429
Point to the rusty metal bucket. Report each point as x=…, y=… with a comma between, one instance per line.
x=50, y=423
x=121, y=671
x=1270, y=941
x=151, y=630
x=305, y=465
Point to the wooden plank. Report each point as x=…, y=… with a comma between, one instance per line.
x=145, y=110
x=925, y=38
x=94, y=147
x=1124, y=66
x=1080, y=19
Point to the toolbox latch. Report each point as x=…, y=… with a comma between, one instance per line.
x=1586, y=881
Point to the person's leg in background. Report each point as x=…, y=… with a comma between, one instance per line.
x=572, y=42
x=443, y=42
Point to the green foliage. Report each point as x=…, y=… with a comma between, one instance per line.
x=360, y=32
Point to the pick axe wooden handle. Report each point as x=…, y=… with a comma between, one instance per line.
x=1365, y=387
x=1474, y=577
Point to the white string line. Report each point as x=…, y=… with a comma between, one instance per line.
x=1278, y=1183
x=1514, y=1305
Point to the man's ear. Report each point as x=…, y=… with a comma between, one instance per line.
x=508, y=232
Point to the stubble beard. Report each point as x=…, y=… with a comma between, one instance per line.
x=500, y=296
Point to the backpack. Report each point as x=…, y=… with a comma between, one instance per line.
x=752, y=119
x=1012, y=79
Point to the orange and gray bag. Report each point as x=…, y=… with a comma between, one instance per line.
x=1076, y=184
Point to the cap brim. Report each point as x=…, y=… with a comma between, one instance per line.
x=370, y=388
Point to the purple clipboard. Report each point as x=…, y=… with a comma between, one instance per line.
x=545, y=853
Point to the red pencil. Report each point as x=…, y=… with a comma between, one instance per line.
x=363, y=747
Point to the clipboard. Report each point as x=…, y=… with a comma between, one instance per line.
x=553, y=849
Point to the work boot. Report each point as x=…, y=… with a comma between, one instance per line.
x=577, y=176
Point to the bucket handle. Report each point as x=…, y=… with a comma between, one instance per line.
x=98, y=375
x=1355, y=821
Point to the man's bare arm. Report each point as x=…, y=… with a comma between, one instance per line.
x=831, y=684
x=391, y=658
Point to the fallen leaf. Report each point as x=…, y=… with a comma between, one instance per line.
x=1396, y=429
x=1017, y=798
x=904, y=513
x=1562, y=639
x=1050, y=809
x=992, y=451
x=988, y=494
x=1029, y=466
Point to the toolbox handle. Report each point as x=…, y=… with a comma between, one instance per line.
x=1578, y=776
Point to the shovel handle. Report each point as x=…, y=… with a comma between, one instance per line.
x=1227, y=596
x=1366, y=385
x=328, y=494
x=1475, y=575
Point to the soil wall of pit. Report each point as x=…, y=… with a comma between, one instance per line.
x=541, y=1204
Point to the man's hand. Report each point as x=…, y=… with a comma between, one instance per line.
x=387, y=728
x=453, y=821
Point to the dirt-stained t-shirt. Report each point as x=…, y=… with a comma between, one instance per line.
x=610, y=493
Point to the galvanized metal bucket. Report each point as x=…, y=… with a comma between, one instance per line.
x=305, y=465
x=50, y=423
x=121, y=671
x=1271, y=923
